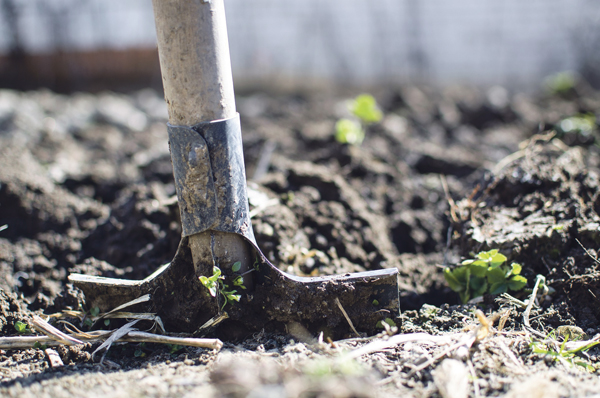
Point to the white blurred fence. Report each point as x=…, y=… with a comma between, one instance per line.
x=510, y=42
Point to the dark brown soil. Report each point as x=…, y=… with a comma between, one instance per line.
x=86, y=186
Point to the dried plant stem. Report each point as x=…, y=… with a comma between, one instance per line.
x=187, y=341
x=539, y=279
x=337, y=301
x=24, y=342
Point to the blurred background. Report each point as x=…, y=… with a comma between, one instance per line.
x=69, y=45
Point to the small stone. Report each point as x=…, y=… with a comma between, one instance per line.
x=451, y=378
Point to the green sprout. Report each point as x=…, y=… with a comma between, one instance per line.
x=484, y=274
x=236, y=266
x=389, y=321
x=365, y=108
x=173, y=348
x=21, y=327
x=351, y=131
x=561, y=83
x=239, y=282
x=582, y=123
x=215, y=283
x=549, y=347
x=139, y=353
x=39, y=345
x=212, y=283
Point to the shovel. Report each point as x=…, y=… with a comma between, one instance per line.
x=218, y=271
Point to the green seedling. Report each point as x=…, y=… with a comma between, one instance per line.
x=364, y=108
x=583, y=123
x=173, y=348
x=21, y=327
x=349, y=132
x=563, y=354
x=139, y=353
x=94, y=312
x=39, y=345
x=216, y=283
x=389, y=321
x=212, y=282
x=484, y=274
x=561, y=83
x=236, y=266
x=239, y=282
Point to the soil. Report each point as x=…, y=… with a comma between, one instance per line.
x=86, y=186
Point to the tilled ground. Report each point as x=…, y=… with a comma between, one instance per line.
x=86, y=186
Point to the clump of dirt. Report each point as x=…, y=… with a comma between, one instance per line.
x=541, y=211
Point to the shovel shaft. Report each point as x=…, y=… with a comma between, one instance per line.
x=196, y=71
x=194, y=59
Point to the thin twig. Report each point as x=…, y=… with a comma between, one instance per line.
x=587, y=252
x=509, y=354
x=337, y=301
x=215, y=344
x=538, y=279
x=451, y=201
x=116, y=335
x=24, y=342
x=53, y=332
x=476, y=392
x=439, y=356
x=142, y=299
x=380, y=345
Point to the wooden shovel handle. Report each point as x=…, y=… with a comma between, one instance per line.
x=194, y=58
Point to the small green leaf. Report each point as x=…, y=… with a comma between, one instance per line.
x=94, y=311
x=139, y=353
x=106, y=322
x=213, y=290
x=389, y=321
x=517, y=283
x=239, y=281
x=349, y=132
x=479, y=268
x=496, y=275
x=486, y=256
x=365, y=108
x=462, y=274
x=453, y=282
x=497, y=259
x=498, y=288
x=39, y=345
x=516, y=268
x=375, y=302
x=20, y=327
x=173, y=348
x=236, y=266
x=478, y=286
